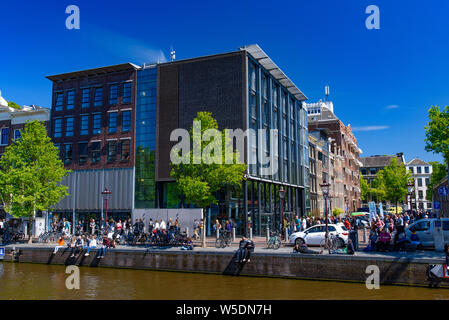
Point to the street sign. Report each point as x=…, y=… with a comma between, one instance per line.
x=443, y=191
x=2, y=253
x=436, y=205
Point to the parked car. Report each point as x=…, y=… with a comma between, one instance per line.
x=425, y=228
x=314, y=235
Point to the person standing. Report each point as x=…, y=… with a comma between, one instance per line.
x=92, y=226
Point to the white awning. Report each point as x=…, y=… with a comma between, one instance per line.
x=260, y=56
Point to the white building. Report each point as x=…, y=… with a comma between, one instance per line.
x=420, y=171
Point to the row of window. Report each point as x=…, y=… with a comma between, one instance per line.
x=86, y=127
x=113, y=149
x=419, y=170
x=4, y=136
x=94, y=96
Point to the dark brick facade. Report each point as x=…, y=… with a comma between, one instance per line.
x=77, y=81
x=215, y=83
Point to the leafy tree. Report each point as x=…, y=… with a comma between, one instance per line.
x=438, y=173
x=375, y=190
x=437, y=132
x=337, y=211
x=198, y=180
x=14, y=105
x=30, y=174
x=393, y=181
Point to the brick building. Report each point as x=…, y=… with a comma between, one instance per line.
x=345, y=160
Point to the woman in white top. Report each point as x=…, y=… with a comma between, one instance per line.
x=92, y=244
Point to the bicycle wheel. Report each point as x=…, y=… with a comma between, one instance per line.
x=218, y=243
x=277, y=243
x=269, y=244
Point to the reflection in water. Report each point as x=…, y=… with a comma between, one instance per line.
x=34, y=281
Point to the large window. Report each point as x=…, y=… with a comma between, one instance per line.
x=418, y=169
x=84, y=128
x=98, y=98
x=70, y=99
x=112, y=151
x=126, y=121
x=68, y=153
x=17, y=135
x=5, y=136
x=96, y=151
x=426, y=169
x=69, y=127
x=112, y=122
x=127, y=92
x=83, y=152
x=419, y=182
x=125, y=150
x=113, y=94
x=59, y=105
x=96, y=123
x=57, y=130
x=85, y=101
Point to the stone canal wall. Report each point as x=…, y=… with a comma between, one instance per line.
x=400, y=270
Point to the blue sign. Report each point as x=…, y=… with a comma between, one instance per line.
x=2, y=253
x=443, y=191
x=436, y=205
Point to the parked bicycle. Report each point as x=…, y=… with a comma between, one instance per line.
x=224, y=239
x=274, y=242
x=332, y=243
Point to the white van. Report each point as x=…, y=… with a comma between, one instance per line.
x=425, y=228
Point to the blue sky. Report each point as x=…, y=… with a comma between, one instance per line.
x=379, y=79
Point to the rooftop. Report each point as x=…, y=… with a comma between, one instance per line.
x=378, y=161
x=417, y=162
x=94, y=72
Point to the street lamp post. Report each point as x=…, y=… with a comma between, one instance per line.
x=106, y=194
x=281, y=197
x=410, y=188
x=347, y=206
x=325, y=189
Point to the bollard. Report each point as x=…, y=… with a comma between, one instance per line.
x=233, y=234
x=268, y=233
x=364, y=235
x=218, y=233
x=286, y=235
x=187, y=231
x=251, y=233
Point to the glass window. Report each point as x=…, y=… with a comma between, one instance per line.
x=57, y=132
x=98, y=98
x=112, y=151
x=70, y=99
x=69, y=127
x=17, y=134
x=419, y=182
x=83, y=152
x=85, y=102
x=96, y=124
x=372, y=171
x=127, y=92
x=420, y=226
x=68, y=152
x=427, y=181
x=112, y=122
x=126, y=121
x=84, y=127
x=113, y=94
x=420, y=194
x=59, y=101
x=5, y=136
x=445, y=225
x=331, y=228
x=411, y=169
x=125, y=150
x=418, y=169
x=252, y=76
x=59, y=150
x=426, y=169
x=95, y=152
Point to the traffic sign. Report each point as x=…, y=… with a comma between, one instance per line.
x=436, y=205
x=2, y=253
x=443, y=191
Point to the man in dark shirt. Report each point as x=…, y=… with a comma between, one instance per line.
x=241, y=250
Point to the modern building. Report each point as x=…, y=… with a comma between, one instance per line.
x=373, y=164
x=345, y=178
x=113, y=127
x=421, y=172
x=12, y=122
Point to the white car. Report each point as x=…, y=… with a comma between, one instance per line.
x=314, y=235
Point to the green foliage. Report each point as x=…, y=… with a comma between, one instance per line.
x=197, y=180
x=375, y=190
x=14, y=105
x=31, y=172
x=337, y=211
x=438, y=173
x=437, y=132
x=392, y=182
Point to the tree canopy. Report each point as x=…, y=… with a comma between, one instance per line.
x=198, y=179
x=14, y=105
x=438, y=173
x=437, y=132
x=31, y=172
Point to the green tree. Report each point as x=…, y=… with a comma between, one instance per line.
x=375, y=190
x=438, y=173
x=364, y=188
x=14, y=105
x=437, y=133
x=30, y=174
x=337, y=211
x=393, y=180
x=199, y=180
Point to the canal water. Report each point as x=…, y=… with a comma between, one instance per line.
x=37, y=281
